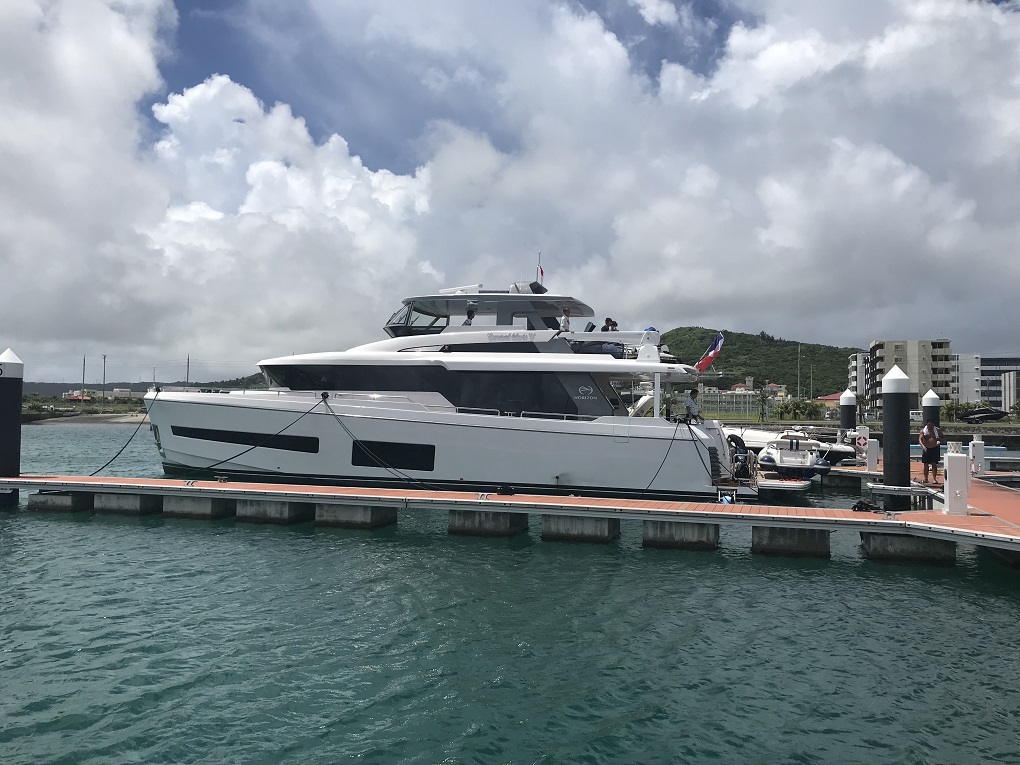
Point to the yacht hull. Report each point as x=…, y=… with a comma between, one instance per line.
x=389, y=442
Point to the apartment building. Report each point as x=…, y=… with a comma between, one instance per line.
x=858, y=374
x=984, y=378
x=928, y=364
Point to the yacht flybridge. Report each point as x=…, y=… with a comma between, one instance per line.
x=507, y=402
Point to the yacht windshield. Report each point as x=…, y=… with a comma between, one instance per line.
x=409, y=320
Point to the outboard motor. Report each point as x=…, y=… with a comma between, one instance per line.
x=822, y=467
x=741, y=469
x=767, y=461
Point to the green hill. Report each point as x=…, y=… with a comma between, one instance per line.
x=823, y=368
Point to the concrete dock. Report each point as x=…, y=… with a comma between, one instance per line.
x=992, y=517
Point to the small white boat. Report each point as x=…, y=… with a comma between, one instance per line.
x=757, y=439
x=791, y=455
x=772, y=481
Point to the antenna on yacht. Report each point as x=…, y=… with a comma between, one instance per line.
x=539, y=273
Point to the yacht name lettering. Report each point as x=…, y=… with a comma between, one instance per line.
x=518, y=336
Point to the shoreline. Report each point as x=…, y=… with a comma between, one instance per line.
x=116, y=418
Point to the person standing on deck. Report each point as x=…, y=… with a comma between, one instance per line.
x=931, y=444
x=565, y=320
x=691, y=406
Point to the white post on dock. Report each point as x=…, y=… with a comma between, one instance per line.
x=872, y=456
x=977, y=456
x=12, y=376
x=957, y=480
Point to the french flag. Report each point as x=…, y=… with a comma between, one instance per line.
x=713, y=350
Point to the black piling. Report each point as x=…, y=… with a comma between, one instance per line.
x=896, y=436
x=12, y=378
x=847, y=410
x=931, y=407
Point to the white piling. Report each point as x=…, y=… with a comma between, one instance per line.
x=956, y=475
x=977, y=457
x=872, y=456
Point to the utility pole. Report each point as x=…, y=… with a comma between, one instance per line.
x=81, y=397
x=187, y=372
x=798, y=370
x=103, y=405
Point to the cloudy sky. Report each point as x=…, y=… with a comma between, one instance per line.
x=237, y=179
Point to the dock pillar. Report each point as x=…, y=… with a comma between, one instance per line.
x=274, y=511
x=61, y=501
x=12, y=374
x=801, y=543
x=847, y=410
x=573, y=528
x=931, y=407
x=354, y=516
x=680, y=535
x=896, y=436
x=890, y=547
x=203, y=508
x=484, y=523
x=957, y=481
x=128, y=504
x=977, y=457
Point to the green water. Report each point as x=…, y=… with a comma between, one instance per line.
x=161, y=641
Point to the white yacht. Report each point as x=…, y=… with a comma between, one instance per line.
x=508, y=403
x=840, y=448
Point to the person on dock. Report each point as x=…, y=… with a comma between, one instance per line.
x=931, y=445
x=691, y=406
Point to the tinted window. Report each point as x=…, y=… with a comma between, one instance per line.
x=393, y=454
x=509, y=392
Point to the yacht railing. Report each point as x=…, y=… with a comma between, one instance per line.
x=558, y=416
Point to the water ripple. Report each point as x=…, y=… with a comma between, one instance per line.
x=162, y=641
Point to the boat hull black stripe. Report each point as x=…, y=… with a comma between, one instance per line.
x=306, y=444
x=394, y=454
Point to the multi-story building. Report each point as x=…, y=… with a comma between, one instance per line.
x=1010, y=390
x=966, y=378
x=982, y=378
x=992, y=370
x=928, y=364
x=857, y=373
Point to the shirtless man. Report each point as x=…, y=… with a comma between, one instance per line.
x=931, y=442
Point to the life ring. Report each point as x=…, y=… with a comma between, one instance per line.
x=736, y=442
